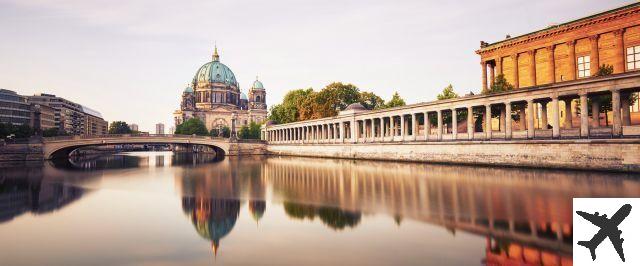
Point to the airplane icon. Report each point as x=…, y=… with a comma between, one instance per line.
x=608, y=228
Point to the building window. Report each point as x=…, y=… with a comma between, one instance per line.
x=633, y=57
x=584, y=66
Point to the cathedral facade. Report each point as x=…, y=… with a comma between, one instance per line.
x=214, y=97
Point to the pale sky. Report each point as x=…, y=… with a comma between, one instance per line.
x=130, y=60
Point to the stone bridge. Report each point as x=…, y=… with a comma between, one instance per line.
x=60, y=147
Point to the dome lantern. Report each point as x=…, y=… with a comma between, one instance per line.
x=215, y=57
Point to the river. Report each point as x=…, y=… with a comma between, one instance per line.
x=165, y=209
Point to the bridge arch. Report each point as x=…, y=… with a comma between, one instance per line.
x=61, y=147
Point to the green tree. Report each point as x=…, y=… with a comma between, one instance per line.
x=604, y=70
x=371, y=101
x=192, y=126
x=226, y=132
x=499, y=85
x=51, y=132
x=18, y=131
x=447, y=93
x=119, y=127
x=251, y=131
x=290, y=108
x=395, y=101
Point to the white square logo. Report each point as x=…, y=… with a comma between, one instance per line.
x=606, y=231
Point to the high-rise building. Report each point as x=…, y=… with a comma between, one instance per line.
x=14, y=108
x=160, y=128
x=42, y=117
x=72, y=118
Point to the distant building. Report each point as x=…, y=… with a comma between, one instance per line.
x=172, y=130
x=134, y=127
x=14, y=108
x=160, y=128
x=42, y=117
x=72, y=118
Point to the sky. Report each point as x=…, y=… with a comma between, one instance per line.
x=131, y=60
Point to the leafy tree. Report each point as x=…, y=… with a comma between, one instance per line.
x=52, y=132
x=251, y=131
x=226, y=132
x=192, y=126
x=119, y=127
x=604, y=70
x=370, y=100
x=395, y=101
x=499, y=85
x=447, y=93
x=18, y=131
x=289, y=110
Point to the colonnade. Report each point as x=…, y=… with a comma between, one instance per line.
x=520, y=114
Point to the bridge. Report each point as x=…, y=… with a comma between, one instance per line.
x=61, y=147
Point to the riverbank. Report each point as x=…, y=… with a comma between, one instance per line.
x=622, y=155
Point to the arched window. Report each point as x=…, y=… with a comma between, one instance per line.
x=258, y=98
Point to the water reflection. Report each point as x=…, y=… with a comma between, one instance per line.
x=514, y=216
x=524, y=214
x=25, y=190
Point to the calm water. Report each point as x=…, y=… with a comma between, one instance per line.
x=160, y=208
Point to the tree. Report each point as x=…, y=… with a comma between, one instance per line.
x=604, y=70
x=251, y=131
x=226, y=132
x=395, y=101
x=119, y=127
x=499, y=85
x=51, y=132
x=192, y=126
x=18, y=131
x=447, y=93
x=290, y=108
x=370, y=100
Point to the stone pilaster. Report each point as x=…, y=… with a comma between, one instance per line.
x=552, y=63
x=571, y=47
x=516, y=76
x=532, y=67
x=594, y=54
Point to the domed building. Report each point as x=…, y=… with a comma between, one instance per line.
x=214, y=96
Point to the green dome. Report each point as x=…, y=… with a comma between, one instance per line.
x=257, y=85
x=188, y=89
x=215, y=71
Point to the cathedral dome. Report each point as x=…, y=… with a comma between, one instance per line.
x=215, y=71
x=243, y=96
x=257, y=85
x=188, y=89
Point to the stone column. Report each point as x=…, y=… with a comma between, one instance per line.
x=383, y=129
x=492, y=74
x=470, y=128
x=532, y=67
x=503, y=118
x=555, y=117
x=427, y=125
x=392, y=129
x=487, y=121
x=615, y=106
x=568, y=114
x=516, y=78
x=498, y=65
x=595, y=112
x=552, y=63
x=354, y=131
x=543, y=115
x=530, y=122
x=341, y=132
x=571, y=45
x=373, y=129
x=414, y=126
x=595, y=58
x=618, y=65
x=439, y=124
x=625, y=112
x=507, y=124
x=454, y=123
x=484, y=75
x=523, y=117
x=402, y=127
x=584, y=115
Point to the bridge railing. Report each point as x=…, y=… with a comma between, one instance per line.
x=130, y=136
